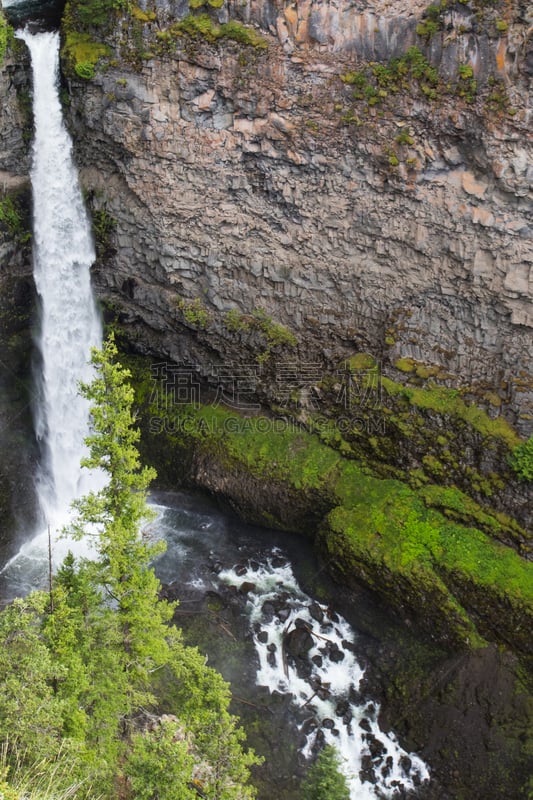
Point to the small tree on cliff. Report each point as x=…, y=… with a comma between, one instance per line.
x=324, y=780
x=116, y=514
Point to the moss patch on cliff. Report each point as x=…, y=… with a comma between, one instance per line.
x=5, y=33
x=448, y=401
x=82, y=54
x=454, y=578
x=204, y=27
x=14, y=217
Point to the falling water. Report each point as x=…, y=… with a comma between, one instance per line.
x=63, y=253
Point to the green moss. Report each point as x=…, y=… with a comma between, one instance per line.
x=405, y=364
x=82, y=54
x=143, y=16
x=447, y=401
x=428, y=547
x=12, y=218
x=5, y=35
x=274, y=334
x=204, y=27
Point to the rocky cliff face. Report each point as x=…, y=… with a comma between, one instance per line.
x=17, y=299
x=390, y=219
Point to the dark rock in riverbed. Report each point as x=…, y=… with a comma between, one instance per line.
x=316, y=612
x=298, y=642
x=366, y=773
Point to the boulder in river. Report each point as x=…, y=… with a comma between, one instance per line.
x=298, y=642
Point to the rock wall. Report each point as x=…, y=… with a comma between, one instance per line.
x=17, y=306
x=248, y=178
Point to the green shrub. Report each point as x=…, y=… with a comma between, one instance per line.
x=521, y=460
x=194, y=312
x=160, y=764
x=85, y=70
x=87, y=14
x=427, y=28
x=11, y=218
x=465, y=71
x=404, y=137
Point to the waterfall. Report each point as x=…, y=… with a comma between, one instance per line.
x=63, y=252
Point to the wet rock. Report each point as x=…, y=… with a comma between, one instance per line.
x=406, y=764
x=320, y=740
x=301, y=623
x=341, y=708
x=272, y=647
x=271, y=659
x=365, y=725
x=262, y=637
x=283, y=614
x=216, y=567
x=247, y=587
x=281, y=601
x=366, y=773
x=328, y=724
x=240, y=570
x=349, y=646
x=298, y=642
x=278, y=562
x=336, y=655
x=354, y=696
x=386, y=769
x=309, y=726
x=316, y=612
x=317, y=660
x=268, y=611
x=377, y=749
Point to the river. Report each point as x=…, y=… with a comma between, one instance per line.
x=258, y=604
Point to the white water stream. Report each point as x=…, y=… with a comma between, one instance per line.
x=63, y=253
x=327, y=682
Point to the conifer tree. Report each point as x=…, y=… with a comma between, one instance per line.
x=81, y=676
x=324, y=780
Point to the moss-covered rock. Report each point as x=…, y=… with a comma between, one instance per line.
x=456, y=580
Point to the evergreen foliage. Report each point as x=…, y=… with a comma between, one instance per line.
x=521, y=460
x=324, y=780
x=87, y=671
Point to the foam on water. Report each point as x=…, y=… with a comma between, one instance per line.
x=329, y=687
